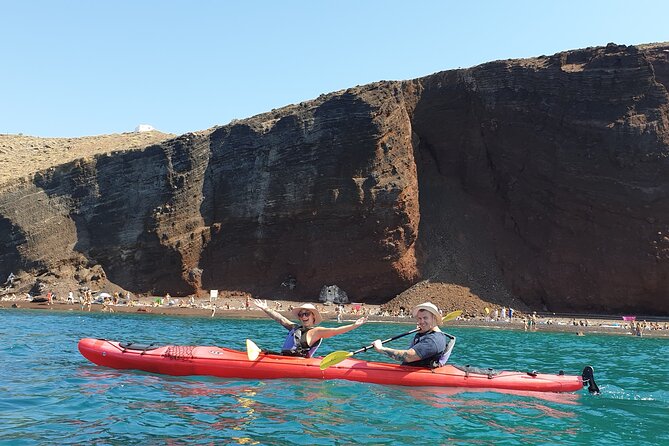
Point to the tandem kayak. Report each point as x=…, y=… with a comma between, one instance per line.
x=227, y=363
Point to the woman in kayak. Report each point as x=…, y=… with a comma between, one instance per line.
x=430, y=347
x=304, y=338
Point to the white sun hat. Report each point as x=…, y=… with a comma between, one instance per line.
x=428, y=306
x=317, y=315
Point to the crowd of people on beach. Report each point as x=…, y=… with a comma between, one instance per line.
x=86, y=298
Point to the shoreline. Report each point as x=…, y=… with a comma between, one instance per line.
x=236, y=310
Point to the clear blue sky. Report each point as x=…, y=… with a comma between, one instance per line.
x=89, y=67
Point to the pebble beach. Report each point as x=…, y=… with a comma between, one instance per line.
x=236, y=308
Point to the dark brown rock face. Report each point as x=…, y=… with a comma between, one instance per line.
x=543, y=178
x=324, y=194
x=563, y=161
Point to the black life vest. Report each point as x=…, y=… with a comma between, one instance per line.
x=296, y=343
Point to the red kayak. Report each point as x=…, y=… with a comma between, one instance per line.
x=228, y=363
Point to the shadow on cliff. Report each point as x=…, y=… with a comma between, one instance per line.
x=456, y=236
x=10, y=237
x=113, y=200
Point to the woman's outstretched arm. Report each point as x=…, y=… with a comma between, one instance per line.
x=273, y=314
x=318, y=333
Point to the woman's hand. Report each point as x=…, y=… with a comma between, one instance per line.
x=262, y=304
x=360, y=321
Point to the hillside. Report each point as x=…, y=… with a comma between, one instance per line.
x=22, y=155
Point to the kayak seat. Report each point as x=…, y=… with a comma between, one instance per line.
x=138, y=347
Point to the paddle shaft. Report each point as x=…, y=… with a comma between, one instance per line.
x=450, y=316
x=364, y=349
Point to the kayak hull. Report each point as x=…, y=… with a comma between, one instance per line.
x=227, y=363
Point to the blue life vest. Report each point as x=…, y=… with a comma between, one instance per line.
x=296, y=343
x=438, y=359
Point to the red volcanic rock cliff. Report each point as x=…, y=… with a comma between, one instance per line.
x=543, y=179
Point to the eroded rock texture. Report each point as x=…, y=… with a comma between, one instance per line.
x=542, y=178
x=563, y=163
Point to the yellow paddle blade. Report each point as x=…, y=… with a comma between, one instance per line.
x=334, y=358
x=252, y=350
x=452, y=315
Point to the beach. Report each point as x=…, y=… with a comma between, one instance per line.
x=236, y=308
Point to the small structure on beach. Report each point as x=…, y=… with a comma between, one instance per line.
x=333, y=294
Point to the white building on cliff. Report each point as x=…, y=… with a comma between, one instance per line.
x=144, y=128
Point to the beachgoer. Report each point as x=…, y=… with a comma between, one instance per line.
x=304, y=338
x=430, y=347
x=84, y=300
x=106, y=304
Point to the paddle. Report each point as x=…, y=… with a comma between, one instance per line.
x=338, y=356
x=252, y=350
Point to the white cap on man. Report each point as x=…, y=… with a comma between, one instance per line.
x=428, y=306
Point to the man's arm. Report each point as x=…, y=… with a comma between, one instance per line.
x=399, y=355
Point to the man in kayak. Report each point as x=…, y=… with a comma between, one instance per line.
x=430, y=347
x=304, y=338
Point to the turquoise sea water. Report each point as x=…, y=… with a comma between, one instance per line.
x=50, y=394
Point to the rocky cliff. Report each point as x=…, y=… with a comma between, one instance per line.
x=543, y=179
